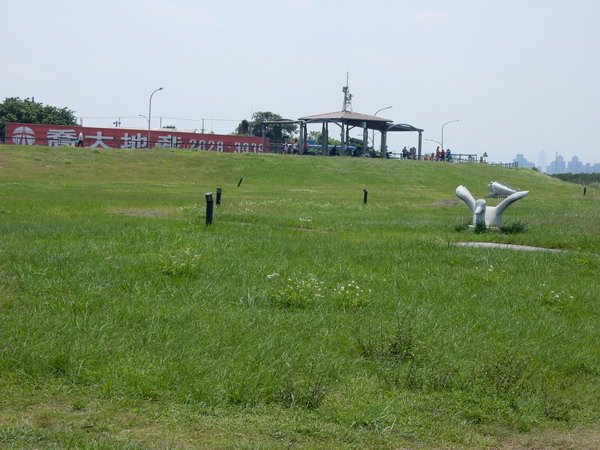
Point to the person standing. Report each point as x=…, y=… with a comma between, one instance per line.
x=79, y=139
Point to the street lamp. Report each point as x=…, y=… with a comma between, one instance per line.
x=373, y=134
x=433, y=140
x=150, y=113
x=452, y=121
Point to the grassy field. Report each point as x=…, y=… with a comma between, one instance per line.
x=301, y=317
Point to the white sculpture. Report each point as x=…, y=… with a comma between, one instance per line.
x=490, y=216
x=499, y=189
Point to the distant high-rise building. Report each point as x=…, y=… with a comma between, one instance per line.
x=575, y=166
x=542, y=160
x=557, y=166
x=523, y=162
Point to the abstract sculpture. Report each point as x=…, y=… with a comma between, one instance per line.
x=490, y=216
x=500, y=189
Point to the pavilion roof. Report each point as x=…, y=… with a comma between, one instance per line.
x=402, y=127
x=345, y=116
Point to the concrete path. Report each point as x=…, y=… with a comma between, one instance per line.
x=508, y=246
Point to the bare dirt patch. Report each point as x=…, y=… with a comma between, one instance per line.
x=143, y=212
x=448, y=202
x=563, y=439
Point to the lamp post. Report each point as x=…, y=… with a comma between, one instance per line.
x=373, y=134
x=150, y=113
x=433, y=140
x=452, y=121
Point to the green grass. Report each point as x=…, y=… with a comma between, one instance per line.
x=301, y=317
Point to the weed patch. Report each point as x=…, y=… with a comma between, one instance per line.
x=186, y=263
x=509, y=376
x=513, y=228
x=310, y=292
x=400, y=346
x=303, y=392
x=462, y=227
x=298, y=293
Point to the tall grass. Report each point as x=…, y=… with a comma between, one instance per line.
x=361, y=324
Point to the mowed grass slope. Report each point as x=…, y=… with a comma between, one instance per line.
x=301, y=316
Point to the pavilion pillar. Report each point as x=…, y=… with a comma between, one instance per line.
x=324, y=139
x=420, y=144
x=342, y=136
x=301, y=139
x=365, y=138
x=383, y=147
x=263, y=134
x=305, y=134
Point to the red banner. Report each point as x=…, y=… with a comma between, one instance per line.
x=60, y=135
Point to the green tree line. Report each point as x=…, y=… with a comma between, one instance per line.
x=276, y=132
x=579, y=178
x=15, y=109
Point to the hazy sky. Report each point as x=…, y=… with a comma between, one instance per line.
x=520, y=75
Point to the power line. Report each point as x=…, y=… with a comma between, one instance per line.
x=164, y=117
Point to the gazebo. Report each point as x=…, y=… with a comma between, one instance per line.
x=346, y=121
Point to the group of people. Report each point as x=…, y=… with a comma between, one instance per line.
x=288, y=149
x=439, y=155
x=409, y=154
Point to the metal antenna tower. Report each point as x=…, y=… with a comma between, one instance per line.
x=347, y=96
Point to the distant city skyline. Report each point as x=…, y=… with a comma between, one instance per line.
x=558, y=165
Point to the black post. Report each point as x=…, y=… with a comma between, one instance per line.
x=584, y=189
x=219, y=191
x=240, y=182
x=366, y=195
x=209, y=208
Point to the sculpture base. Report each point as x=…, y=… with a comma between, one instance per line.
x=491, y=227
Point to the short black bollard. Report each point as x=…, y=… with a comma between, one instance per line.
x=209, y=208
x=219, y=191
x=365, y=197
x=240, y=182
x=584, y=190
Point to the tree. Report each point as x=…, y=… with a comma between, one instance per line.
x=317, y=137
x=13, y=109
x=243, y=128
x=277, y=133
